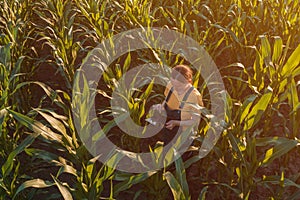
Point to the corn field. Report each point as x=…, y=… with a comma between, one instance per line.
x=255, y=45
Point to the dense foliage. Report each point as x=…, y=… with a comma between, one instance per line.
x=255, y=45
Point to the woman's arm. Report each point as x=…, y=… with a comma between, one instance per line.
x=191, y=122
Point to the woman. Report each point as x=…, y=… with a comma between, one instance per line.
x=180, y=103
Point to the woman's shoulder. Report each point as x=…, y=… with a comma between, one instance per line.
x=195, y=92
x=196, y=97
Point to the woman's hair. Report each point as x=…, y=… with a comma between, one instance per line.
x=185, y=73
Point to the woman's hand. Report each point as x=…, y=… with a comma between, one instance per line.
x=172, y=123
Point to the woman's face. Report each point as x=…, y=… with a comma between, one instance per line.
x=179, y=86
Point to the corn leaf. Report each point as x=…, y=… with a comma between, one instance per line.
x=181, y=176
x=279, y=150
x=292, y=63
x=63, y=189
x=8, y=165
x=36, y=183
x=257, y=111
x=174, y=186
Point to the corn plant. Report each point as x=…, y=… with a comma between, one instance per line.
x=94, y=21
x=245, y=121
x=178, y=185
x=14, y=38
x=56, y=29
x=134, y=13
x=82, y=176
x=270, y=70
x=255, y=45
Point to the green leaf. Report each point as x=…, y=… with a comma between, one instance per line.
x=3, y=114
x=48, y=90
x=270, y=141
x=292, y=63
x=36, y=183
x=5, y=56
x=17, y=67
x=244, y=110
x=293, y=98
x=55, y=123
x=63, y=189
x=279, y=150
x=107, y=127
x=127, y=63
x=42, y=154
x=148, y=90
x=277, y=179
x=35, y=126
x=128, y=180
x=258, y=71
x=203, y=193
x=58, y=125
x=265, y=47
x=257, y=111
x=174, y=186
x=237, y=145
x=181, y=176
x=277, y=49
x=8, y=165
x=67, y=169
